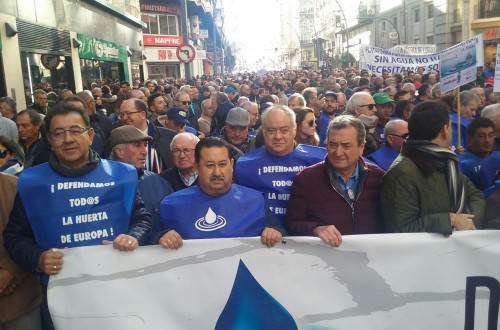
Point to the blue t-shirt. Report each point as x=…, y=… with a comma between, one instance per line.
x=273, y=175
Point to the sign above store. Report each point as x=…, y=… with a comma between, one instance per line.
x=163, y=8
x=162, y=40
x=99, y=49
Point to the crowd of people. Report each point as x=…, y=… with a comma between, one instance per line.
x=300, y=153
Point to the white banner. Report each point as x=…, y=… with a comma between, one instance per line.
x=420, y=49
x=375, y=60
x=388, y=281
x=458, y=64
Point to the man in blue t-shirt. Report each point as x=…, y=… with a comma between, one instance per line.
x=223, y=209
x=271, y=168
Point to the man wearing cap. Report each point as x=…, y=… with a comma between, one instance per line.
x=236, y=131
x=255, y=95
x=130, y=146
x=395, y=132
x=75, y=199
x=134, y=112
x=176, y=120
x=232, y=94
x=327, y=114
x=223, y=209
x=183, y=101
x=385, y=107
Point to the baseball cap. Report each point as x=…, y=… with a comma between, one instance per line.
x=178, y=115
x=238, y=117
x=330, y=93
x=127, y=134
x=489, y=81
x=382, y=98
x=255, y=86
x=230, y=89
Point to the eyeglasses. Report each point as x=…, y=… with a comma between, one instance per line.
x=185, y=151
x=74, y=131
x=4, y=153
x=404, y=136
x=185, y=102
x=310, y=123
x=127, y=114
x=370, y=106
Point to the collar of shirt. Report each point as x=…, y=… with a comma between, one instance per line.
x=351, y=184
x=189, y=181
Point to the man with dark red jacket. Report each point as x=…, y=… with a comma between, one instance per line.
x=341, y=195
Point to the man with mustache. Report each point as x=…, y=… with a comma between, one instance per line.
x=222, y=209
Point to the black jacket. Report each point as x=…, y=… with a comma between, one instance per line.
x=161, y=144
x=172, y=176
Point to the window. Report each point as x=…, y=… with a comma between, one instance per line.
x=416, y=41
x=160, y=24
x=430, y=11
x=382, y=26
x=430, y=39
x=416, y=16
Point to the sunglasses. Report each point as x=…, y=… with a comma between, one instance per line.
x=4, y=153
x=185, y=102
x=310, y=123
x=370, y=106
x=404, y=136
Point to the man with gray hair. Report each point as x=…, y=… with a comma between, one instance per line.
x=8, y=108
x=40, y=103
x=253, y=112
x=343, y=185
x=362, y=105
x=205, y=120
x=183, y=174
x=395, y=132
x=492, y=112
x=271, y=168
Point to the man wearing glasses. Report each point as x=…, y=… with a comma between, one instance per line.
x=134, y=112
x=76, y=199
x=395, y=132
x=271, y=168
x=183, y=174
x=362, y=106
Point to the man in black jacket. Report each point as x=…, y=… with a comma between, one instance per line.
x=76, y=199
x=134, y=112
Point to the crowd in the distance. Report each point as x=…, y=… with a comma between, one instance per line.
x=303, y=153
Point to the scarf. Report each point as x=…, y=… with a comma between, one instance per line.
x=94, y=160
x=429, y=157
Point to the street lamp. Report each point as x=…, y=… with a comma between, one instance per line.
x=386, y=20
x=346, y=30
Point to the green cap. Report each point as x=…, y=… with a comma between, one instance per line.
x=382, y=98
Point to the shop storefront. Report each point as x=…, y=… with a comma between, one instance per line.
x=45, y=60
x=136, y=64
x=162, y=62
x=101, y=60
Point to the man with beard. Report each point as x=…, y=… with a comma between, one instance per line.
x=157, y=105
x=327, y=114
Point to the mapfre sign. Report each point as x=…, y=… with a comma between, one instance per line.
x=159, y=40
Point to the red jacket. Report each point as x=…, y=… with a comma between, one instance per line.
x=316, y=199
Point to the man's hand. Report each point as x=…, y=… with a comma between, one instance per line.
x=9, y=289
x=6, y=279
x=329, y=235
x=50, y=262
x=462, y=221
x=171, y=240
x=123, y=242
x=270, y=236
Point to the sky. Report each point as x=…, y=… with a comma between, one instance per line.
x=254, y=26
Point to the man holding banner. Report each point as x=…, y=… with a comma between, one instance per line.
x=223, y=209
x=76, y=199
x=434, y=196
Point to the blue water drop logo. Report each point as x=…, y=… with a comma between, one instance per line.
x=250, y=306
